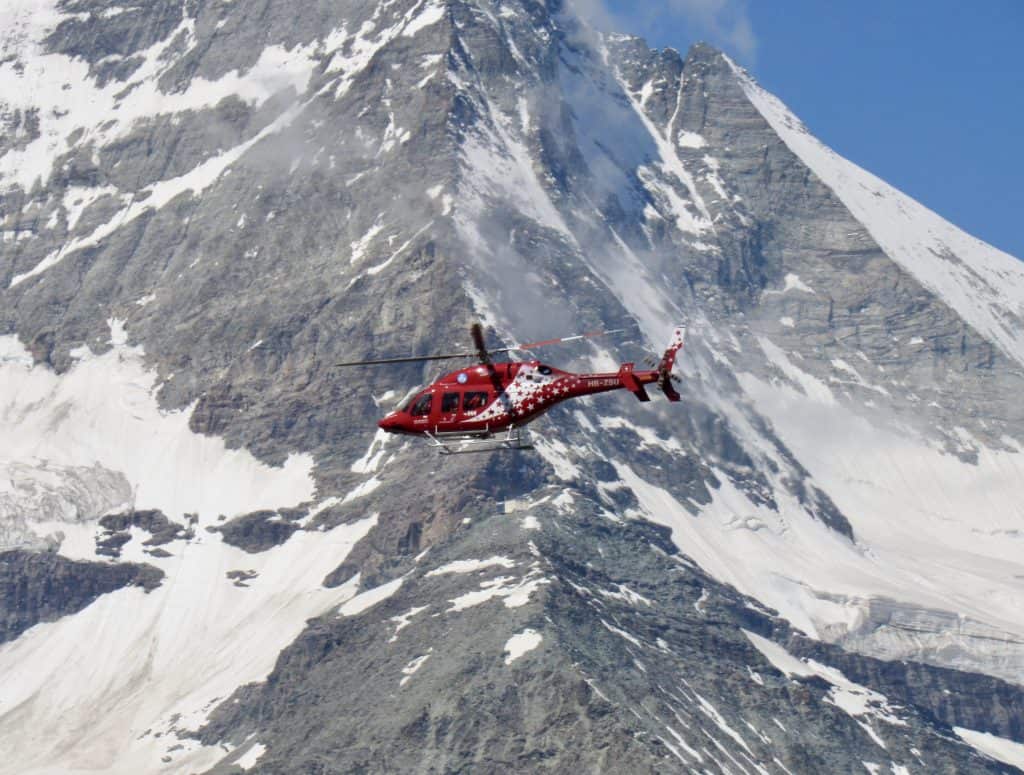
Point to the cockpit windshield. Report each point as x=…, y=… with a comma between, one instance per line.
x=421, y=406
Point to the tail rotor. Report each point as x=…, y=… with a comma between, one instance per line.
x=668, y=361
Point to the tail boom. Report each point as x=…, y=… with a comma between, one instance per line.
x=634, y=380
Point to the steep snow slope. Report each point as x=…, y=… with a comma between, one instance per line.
x=937, y=550
x=994, y=746
x=984, y=285
x=120, y=686
x=93, y=441
x=103, y=415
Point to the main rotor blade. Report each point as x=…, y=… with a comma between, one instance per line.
x=409, y=359
x=549, y=342
x=482, y=353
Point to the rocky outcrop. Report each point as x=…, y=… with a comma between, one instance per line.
x=117, y=531
x=955, y=698
x=43, y=587
x=260, y=530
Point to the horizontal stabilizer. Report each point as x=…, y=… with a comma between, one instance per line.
x=631, y=383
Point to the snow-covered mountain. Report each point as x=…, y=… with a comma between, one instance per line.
x=209, y=559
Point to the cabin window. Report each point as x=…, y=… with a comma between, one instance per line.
x=545, y=370
x=421, y=407
x=474, y=401
x=450, y=403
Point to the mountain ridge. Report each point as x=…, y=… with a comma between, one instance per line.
x=332, y=187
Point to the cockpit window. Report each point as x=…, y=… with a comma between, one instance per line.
x=545, y=370
x=421, y=406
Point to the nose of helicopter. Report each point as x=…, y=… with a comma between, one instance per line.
x=389, y=423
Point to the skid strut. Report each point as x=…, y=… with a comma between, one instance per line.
x=461, y=444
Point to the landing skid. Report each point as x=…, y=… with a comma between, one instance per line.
x=460, y=444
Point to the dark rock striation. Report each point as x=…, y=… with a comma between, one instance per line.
x=42, y=587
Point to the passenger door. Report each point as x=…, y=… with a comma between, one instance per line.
x=450, y=407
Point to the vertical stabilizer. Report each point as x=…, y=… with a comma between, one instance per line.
x=668, y=361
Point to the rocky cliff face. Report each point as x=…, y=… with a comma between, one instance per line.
x=206, y=205
x=42, y=587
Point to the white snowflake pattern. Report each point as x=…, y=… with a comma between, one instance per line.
x=531, y=390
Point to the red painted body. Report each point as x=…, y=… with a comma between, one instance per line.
x=484, y=399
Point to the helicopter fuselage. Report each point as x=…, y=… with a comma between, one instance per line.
x=481, y=400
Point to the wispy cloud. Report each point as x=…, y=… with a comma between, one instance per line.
x=724, y=23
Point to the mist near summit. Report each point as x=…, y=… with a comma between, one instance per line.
x=726, y=23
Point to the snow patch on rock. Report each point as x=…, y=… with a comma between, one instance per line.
x=368, y=599
x=856, y=700
x=410, y=669
x=521, y=643
x=998, y=748
x=249, y=759
x=471, y=566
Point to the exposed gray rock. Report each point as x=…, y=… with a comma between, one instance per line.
x=627, y=676
x=43, y=587
x=950, y=696
x=258, y=531
x=161, y=529
x=116, y=531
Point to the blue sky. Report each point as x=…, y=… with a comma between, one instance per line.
x=928, y=95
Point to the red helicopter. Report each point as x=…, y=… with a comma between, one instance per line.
x=488, y=405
